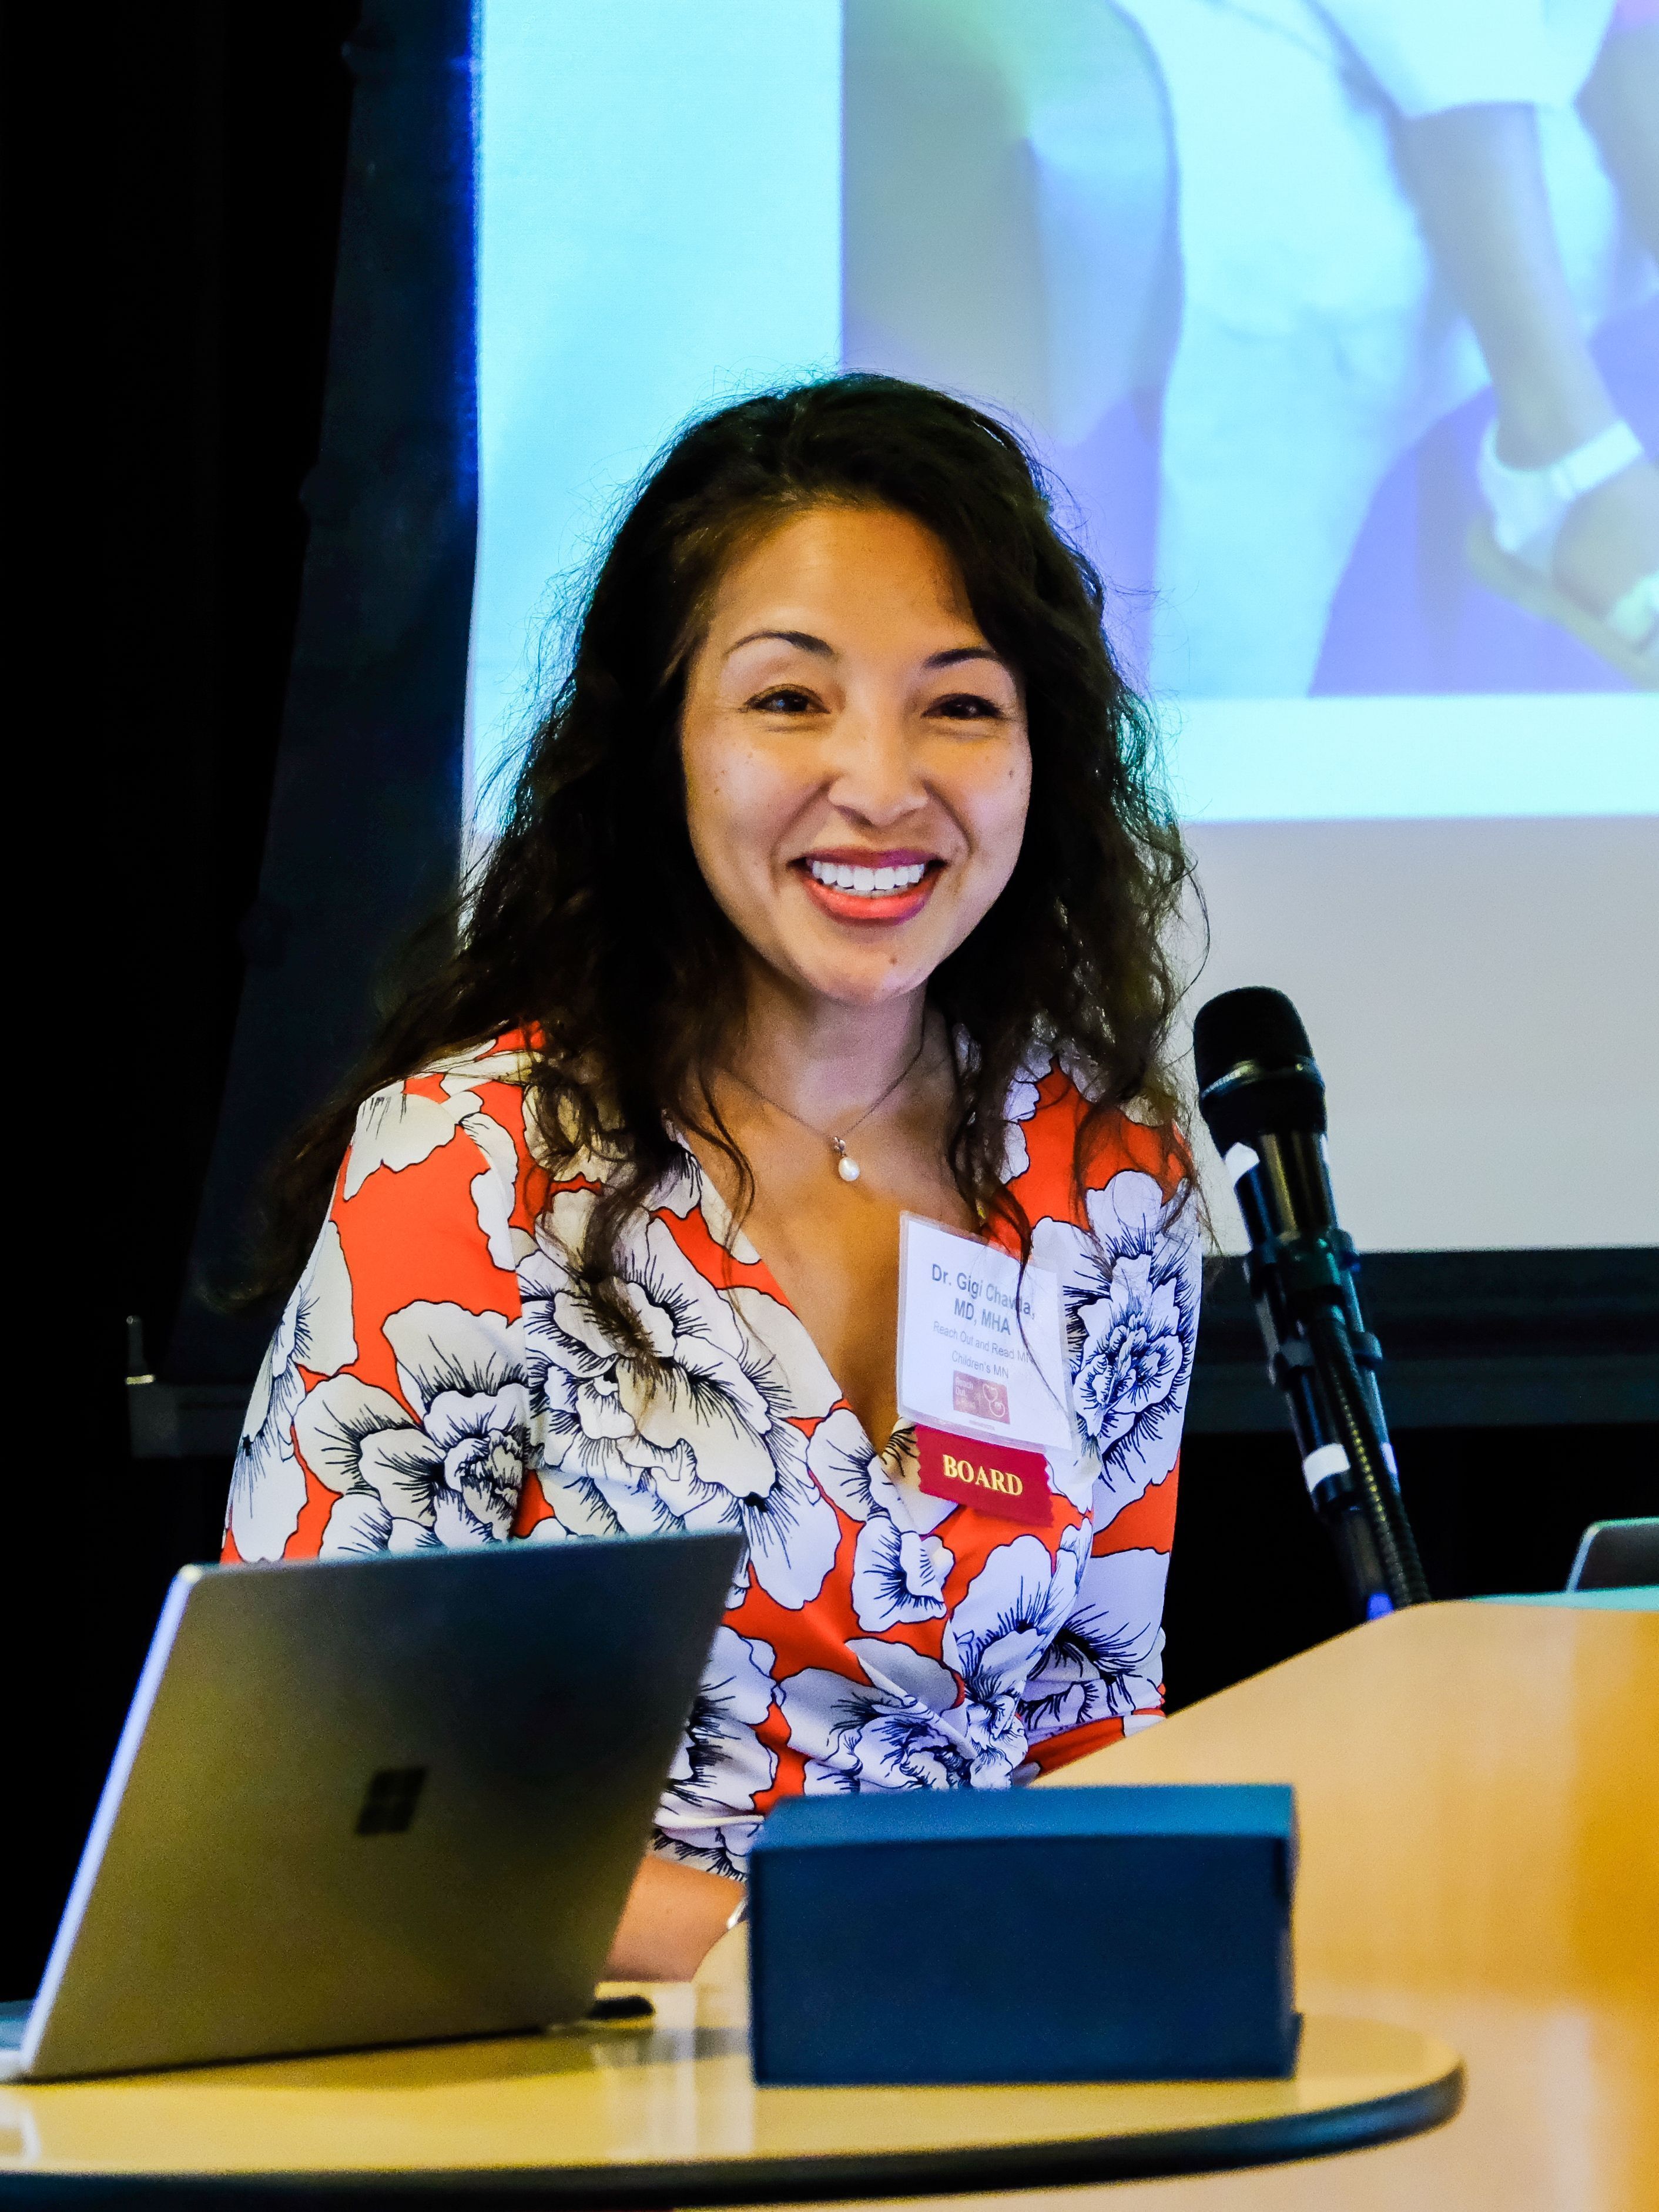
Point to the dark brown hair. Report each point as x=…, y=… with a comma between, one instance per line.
x=589, y=923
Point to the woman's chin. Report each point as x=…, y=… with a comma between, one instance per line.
x=863, y=977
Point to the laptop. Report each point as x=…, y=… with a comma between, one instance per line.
x=375, y=1800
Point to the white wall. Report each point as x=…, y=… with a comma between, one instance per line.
x=1483, y=1000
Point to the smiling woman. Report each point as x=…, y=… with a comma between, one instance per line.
x=832, y=895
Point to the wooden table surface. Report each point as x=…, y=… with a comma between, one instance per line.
x=1477, y=1791
x=669, y=2114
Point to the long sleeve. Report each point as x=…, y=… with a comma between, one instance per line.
x=391, y=1411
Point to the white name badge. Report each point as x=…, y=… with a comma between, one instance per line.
x=981, y=1349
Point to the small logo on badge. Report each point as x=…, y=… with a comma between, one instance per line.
x=981, y=1400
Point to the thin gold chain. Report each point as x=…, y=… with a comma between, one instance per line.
x=836, y=1144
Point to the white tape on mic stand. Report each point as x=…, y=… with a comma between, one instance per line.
x=1333, y=1459
x=1238, y=1162
x=1330, y=1459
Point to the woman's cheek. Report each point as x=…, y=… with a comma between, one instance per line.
x=999, y=805
x=746, y=803
x=721, y=777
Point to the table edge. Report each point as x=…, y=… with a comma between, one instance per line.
x=961, y=2170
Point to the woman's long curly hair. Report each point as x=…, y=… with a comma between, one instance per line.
x=589, y=924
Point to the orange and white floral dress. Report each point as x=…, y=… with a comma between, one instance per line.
x=440, y=1378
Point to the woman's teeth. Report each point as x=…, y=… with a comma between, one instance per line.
x=869, y=883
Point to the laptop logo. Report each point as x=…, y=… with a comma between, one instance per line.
x=390, y=1800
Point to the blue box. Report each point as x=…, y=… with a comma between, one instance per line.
x=1126, y=1934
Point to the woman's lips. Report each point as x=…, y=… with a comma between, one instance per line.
x=900, y=905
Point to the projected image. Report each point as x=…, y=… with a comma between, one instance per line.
x=1257, y=278
x=1299, y=299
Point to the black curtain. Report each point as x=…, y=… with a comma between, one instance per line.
x=242, y=440
x=362, y=835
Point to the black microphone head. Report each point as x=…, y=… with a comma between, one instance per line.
x=1255, y=1068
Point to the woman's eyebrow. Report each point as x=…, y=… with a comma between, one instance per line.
x=805, y=642
x=803, y=639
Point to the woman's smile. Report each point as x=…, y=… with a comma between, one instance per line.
x=869, y=888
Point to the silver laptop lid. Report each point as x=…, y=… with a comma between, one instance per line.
x=377, y=1801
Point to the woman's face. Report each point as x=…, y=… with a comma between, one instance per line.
x=857, y=768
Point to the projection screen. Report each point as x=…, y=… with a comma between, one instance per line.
x=1168, y=240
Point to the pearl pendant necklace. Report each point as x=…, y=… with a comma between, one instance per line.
x=846, y=1166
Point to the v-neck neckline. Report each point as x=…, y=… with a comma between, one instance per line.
x=720, y=1227
x=723, y=1233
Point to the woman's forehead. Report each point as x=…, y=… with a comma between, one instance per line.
x=839, y=568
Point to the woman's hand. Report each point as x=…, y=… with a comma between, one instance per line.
x=674, y=1917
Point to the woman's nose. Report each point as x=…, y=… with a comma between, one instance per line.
x=877, y=773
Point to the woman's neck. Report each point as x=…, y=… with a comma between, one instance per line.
x=820, y=1059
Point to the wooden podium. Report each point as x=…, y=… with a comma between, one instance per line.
x=1478, y=1789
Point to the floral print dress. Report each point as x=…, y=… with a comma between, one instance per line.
x=439, y=1377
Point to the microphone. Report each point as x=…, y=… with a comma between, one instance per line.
x=1263, y=1102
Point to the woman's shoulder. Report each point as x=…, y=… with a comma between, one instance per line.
x=498, y=1070
x=489, y=1076
x=1051, y=1104
x=473, y=1097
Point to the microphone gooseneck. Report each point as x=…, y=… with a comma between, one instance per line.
x=1263, y=1101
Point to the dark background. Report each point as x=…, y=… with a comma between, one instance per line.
x=176, y=190
x=179, y=185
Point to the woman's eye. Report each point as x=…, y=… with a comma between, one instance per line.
x=784, y=700
x=967, y=707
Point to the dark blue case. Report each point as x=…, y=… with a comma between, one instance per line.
x=1123, y=1933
